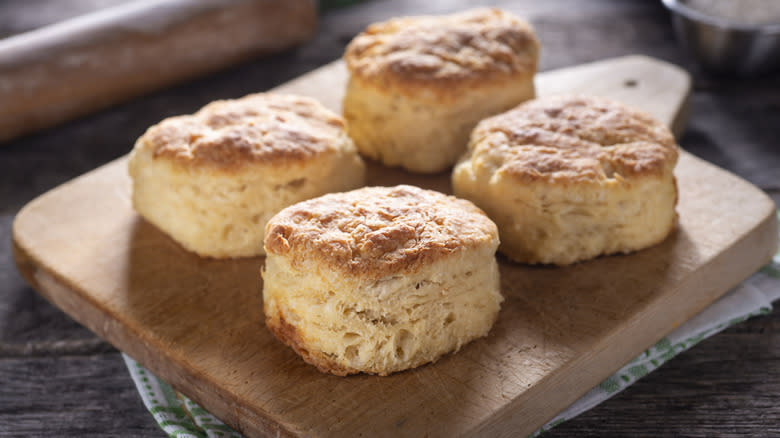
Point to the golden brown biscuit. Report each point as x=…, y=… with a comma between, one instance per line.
x=570, y=178
x=380, y=279
x=211, y=180
x=418, y=85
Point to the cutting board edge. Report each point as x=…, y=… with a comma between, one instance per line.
x=765, y=230
x=501, y=423
x=680, y=119
x=677, y=122
x=83, y=308
x=78, y=305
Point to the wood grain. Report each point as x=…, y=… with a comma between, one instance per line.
x=731, y=373
x=198, y=324
x=58, y=385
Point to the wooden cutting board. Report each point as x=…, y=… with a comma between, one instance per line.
x=198, y=323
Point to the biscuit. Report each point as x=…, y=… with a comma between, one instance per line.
x=211, y=180
x=418, y=85
x=380, y=279
x=570, y=178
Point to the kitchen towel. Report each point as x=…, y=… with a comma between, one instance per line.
x=181, y=417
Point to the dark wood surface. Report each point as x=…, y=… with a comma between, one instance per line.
x=58, y=379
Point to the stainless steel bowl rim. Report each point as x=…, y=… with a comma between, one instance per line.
x=680, y=8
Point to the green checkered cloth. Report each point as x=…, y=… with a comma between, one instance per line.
x=179, y=416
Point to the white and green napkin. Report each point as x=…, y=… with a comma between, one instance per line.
x=181, y=417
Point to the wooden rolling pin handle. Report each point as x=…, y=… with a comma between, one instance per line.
x=69, y=69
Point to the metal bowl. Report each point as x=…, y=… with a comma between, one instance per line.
x=723, y=47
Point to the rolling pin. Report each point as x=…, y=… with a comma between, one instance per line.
x=78, y=66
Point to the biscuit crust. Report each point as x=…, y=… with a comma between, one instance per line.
x=262, y=128
x=378, y=231
x=573, y=139
x=439, y=52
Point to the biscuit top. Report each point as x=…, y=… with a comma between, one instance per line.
x=266, y=128
x=378, y=231
x=439, y=50
x=573, y=138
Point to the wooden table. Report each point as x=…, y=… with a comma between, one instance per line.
x=59, y=379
